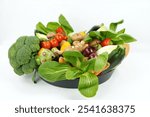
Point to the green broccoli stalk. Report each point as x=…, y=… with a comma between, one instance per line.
x=22, y=54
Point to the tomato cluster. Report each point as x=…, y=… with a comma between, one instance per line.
x=54, y=42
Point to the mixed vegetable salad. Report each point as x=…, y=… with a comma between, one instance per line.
x=57, y=53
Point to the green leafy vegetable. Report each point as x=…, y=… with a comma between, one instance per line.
x=53, y=71
x=88, y=84
x=116, y=37
x=22, y=54
x=88, y=39
x=41, y=28
x=121, y=31
x=85, y=65
x=65, y=24
x=122, y=38
x=82, y=69
x=100, y=61
x=74, y=61
x=53, y=26
x=70, y=40
x=126, y=38
x=91, y=65
x=73, y=73
x=117, y=41
x=73, y=54
x=108, y=34
x=113, y=26
x=96, y=64
x=94, y=34
x=73, y=57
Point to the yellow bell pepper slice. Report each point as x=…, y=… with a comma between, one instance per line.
x=64, y=46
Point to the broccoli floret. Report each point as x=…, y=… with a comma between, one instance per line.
x=19, y=71
x=22, y=54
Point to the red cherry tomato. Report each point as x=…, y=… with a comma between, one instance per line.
x=105, y=42
x=54, y=42
x=45, y=44
x=65, y=37
x=59, y=37
x=60, y=30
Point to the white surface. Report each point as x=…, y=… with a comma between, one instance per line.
x=131, y=81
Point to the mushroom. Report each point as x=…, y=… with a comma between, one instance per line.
x=77, y=37
x=77, y=45
x=94, y=42
x=56, y=51
x=50, y=35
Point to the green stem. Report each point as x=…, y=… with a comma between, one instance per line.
x=34, y=78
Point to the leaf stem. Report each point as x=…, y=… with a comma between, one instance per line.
x=34, y=78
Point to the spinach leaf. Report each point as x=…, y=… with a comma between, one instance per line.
x=73, y=73
x=74, y=61
x=65, y=24
x=117, y=40
x=53, y=71
x=126, y=38
x=84, y=65
x=73, y=54
x=121, y=31
x=88, y=84
x=53, y=26
x=88, y=39
x=97, y=64
x=73, y=57
x=94, y=34
x=108, y=34
x=101, y=61
x=70, y=40
x=113, y=25
x=91, y=64
x=41, y=28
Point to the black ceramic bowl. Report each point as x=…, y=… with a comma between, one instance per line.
x=74, y=83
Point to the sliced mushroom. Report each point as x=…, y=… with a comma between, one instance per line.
x=94, y=42
x=77, y=37
x=75, y=43
x=77, y=46
x=50, y=35
x=86, y=45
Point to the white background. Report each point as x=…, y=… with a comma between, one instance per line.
x=131, y=80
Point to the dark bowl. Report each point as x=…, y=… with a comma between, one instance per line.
x=74, y=83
